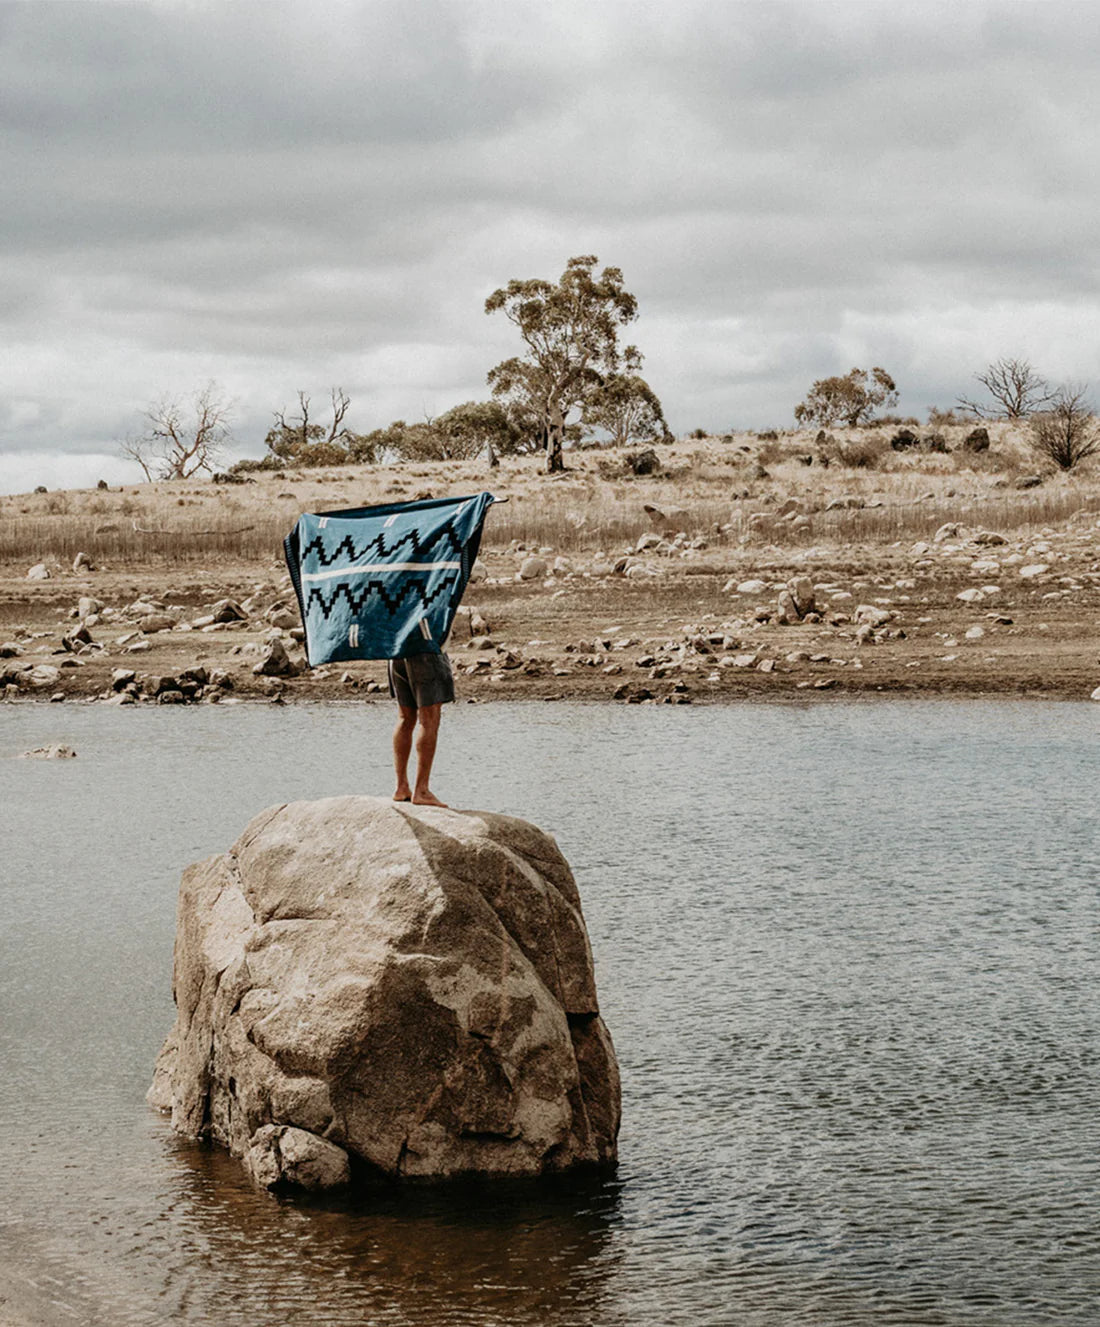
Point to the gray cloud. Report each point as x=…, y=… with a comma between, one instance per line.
x=284, y=195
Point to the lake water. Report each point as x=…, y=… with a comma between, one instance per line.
x=849, y=955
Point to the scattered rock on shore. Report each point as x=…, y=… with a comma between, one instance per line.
x=275, y=662
x=533, y=568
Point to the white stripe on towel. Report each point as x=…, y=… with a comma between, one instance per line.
x=374, y=568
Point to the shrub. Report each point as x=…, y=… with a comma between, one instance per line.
x=772, y=452
x=943, y=419
x=248, y=464
x=1067, y=433
x=862, y=453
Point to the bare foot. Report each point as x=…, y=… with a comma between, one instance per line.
x=427, y=798
x=403, y=794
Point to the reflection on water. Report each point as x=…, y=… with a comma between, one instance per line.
x=848, y=955
x=471, y=1255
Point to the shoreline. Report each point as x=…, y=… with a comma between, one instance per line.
x=962, y=693
x=680, y=636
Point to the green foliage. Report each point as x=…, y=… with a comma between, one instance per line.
x=625, y=407
x=476, y=426
x=297, y=441
x=250, y=464
x=292, y=445
x=850, y=400
x=570, y=333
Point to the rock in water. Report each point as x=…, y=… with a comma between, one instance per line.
x=407, y=988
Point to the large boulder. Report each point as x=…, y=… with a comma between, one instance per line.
x=411, y=987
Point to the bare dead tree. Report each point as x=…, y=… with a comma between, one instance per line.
x=182, y=437
x=1017, y=391
x=340, y=403
x=1067, y=433
x=140, y=450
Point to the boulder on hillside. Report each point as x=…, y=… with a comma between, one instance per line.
x=977, y=440
x=366, y=988
x=934, y=442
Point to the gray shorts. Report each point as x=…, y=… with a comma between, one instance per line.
x=421, y=679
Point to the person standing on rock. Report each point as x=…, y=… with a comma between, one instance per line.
x=385, y=583
x=421, y=684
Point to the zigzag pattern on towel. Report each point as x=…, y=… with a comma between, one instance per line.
x=410, y=585
x=380, y=545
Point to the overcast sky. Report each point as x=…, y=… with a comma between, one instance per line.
x=283, y=196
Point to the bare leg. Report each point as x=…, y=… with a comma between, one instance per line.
x=402, y=749
x=426, y=736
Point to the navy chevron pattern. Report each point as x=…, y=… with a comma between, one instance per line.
x=409, y=588
x=384, y=550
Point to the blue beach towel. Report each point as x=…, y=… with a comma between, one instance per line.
x=383, y=582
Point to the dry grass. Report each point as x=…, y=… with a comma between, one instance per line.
x=717, y=484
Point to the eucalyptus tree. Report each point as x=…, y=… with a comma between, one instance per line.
x=625, y=407
x=570, y=331
x=851, y=399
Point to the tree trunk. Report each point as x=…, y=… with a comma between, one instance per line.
x=554, y=462
x=555, y=428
